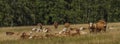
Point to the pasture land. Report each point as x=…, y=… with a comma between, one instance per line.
x=112, y=36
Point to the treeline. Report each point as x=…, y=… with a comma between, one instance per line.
x=30, y=12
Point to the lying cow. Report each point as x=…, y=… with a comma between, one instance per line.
x=36, y=29
x=65, y=29
x=10, y=33
x=25, y=35
x=46, y=30
x=74, y=31
x=70, y=31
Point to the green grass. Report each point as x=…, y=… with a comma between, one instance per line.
x=110, y=37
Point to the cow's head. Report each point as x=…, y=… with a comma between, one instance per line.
x=91, y=24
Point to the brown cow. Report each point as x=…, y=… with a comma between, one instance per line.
x=67, y=25
x=55, y=25
x=99, y=26
x=24, y=35
x=10, y=33
x=74, y=31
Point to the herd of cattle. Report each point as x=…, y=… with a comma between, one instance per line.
x=37, y=32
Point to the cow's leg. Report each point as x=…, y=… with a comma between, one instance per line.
x=104, y=29
x=99, y=30
x=90, y=30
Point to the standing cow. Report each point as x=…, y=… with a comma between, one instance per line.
x=55, y=25
x=101, y=26
x=40, y=25
x=98, y=27
x=92, y=27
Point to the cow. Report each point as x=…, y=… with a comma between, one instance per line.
x=46, y=30
x=65, y=29
x=74, y=31
x=70, y=32
x=97, y=27
x=25, y=35
x=67, y=25
x=10, y=33
x=40, y=25
x=101, y=25
x=38, y=28
x=92, y=27
x=55, y=25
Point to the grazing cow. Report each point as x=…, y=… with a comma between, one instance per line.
x=99, y=26
x=10, y=33
x=55, y=25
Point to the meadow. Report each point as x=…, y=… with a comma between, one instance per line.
x=112, y=36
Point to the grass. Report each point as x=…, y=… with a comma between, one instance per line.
x=112, y=36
